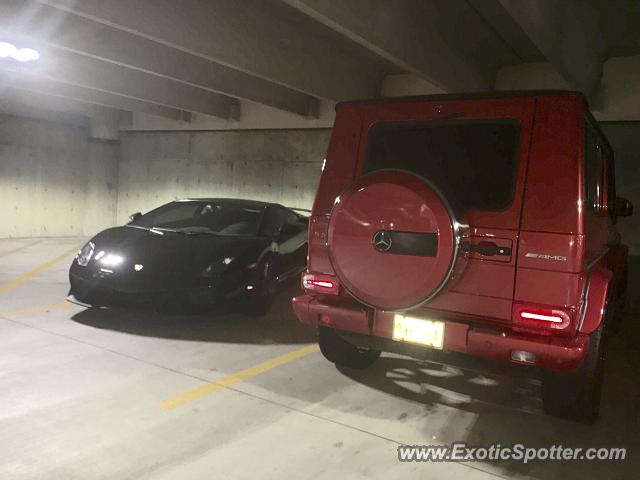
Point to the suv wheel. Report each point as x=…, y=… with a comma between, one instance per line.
x=337, y=350
x=620, y=302
x=576, y=395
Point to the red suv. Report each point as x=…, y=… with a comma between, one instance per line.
x=478, y=224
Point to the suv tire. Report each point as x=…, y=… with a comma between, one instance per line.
x=337, y=350
x=576, y=395
x=620, y=302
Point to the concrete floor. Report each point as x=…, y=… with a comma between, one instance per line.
x=80, y=393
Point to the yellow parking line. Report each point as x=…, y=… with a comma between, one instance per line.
x=23, y=247
x=250, y=372
x=40, y=309
x=26, y=276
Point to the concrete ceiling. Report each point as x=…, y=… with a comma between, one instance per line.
x=172, y=58
x=621, y=26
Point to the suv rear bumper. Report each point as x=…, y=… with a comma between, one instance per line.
x=355, y=323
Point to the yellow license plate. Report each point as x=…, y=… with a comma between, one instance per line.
x=418, y=330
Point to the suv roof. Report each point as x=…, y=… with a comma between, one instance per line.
x=445, y=97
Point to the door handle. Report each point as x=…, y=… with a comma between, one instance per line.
x=487, y=249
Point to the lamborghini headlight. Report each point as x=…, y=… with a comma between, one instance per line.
x=85, y=254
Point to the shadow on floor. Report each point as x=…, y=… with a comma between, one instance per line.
x=224, y=324
x=507, y=407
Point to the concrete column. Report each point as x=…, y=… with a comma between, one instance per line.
x=104, y=124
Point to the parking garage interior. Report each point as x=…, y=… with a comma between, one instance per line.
x=129, y=104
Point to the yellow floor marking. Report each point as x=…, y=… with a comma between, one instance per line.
x=26, y=276
x=250, y=372
x=23, y=247
x=40, y=309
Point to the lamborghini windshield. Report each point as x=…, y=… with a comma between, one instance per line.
x=201, y=216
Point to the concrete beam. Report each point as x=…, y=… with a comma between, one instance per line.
x=567, y=33
x=619, y=98
x=264, y=39
x=74, y=69
x=77, y=34
x=495, y=15
x=23, y=103
x=407, y=34
x=34, y=83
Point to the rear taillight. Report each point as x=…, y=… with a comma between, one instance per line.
x=318, y=245
x=541, y=317
x=320, y=283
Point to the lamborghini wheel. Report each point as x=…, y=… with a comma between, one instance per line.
x=258, y=300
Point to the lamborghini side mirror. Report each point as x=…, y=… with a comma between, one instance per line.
x=287, y=231
x=624, y=208
x=134, y=216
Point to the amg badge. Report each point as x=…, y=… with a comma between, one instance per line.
x=545, y=256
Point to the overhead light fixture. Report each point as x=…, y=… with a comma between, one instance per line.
x=8, y=50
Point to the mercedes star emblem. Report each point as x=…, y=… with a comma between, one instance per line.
x=382, y=241
x=137, y=267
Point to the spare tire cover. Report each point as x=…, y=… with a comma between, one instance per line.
x=393, y=241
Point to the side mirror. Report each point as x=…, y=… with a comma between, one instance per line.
x=287, y=231
x=134, y=216
x=624, y=208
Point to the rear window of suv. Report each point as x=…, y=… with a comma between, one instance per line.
x=473, y=164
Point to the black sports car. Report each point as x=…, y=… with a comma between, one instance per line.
x=201, y=251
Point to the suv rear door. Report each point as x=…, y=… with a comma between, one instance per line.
x=476, y=153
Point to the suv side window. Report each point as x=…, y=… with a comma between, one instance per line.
x=611, y=183
x=596, y=182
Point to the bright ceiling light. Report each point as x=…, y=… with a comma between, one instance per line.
x=8, y=50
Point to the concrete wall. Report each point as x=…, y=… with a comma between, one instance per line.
x=54, y=181
x=282, y=166
x=625, y=140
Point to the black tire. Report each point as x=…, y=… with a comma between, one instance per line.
x=337, y=350
x=576, y=395
x=620, y=302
